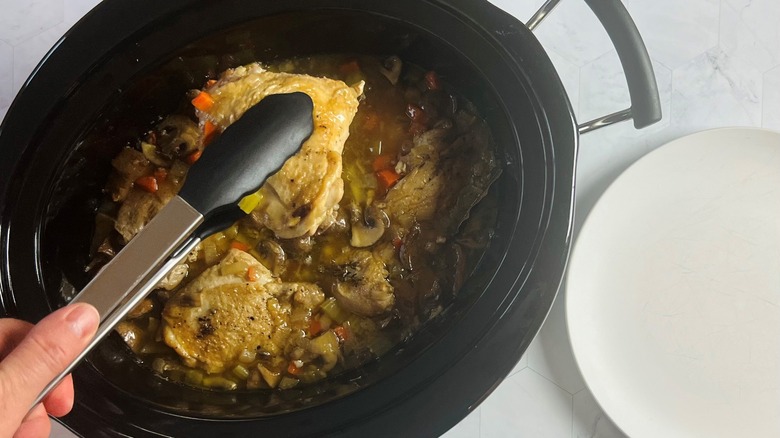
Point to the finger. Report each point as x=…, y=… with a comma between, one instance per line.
x=49, y=347
x=12, y=331
x=60, y=400
x=35, y=425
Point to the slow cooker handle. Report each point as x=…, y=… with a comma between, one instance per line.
x=645, y=103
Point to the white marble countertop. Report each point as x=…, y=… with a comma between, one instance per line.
x=717, y=63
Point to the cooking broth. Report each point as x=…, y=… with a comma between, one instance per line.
x=411, y=226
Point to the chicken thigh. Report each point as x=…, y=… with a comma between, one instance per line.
x=227, y=310
x=307, y=189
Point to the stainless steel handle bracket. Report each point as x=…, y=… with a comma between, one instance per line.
x=645, y=101
x=541, y=14
x=603, y=121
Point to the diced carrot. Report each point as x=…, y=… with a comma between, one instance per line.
x=161, y=174
x=419, y=119
x=203, y=101
x=382, y=162
x=342, y=333
x=416, y=113
x=292, y=369
x=148, y=183
x=387, y=178
x=209, y=131
x=241, y=246
x=432, y=80
x=251, y=274
x=349, y=67
x=397, y=242
x=193, y=157
x=315, y=327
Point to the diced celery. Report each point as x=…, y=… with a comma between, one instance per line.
x=331, y=308
x=237, y=268
x=193, y=377
x=312, y=375
x=325, y=322
x=379, y=344
x=221, y=242
x=241, y=237
x=241, y=372
x=231, y=232
x=219, y=383
x=210, y=252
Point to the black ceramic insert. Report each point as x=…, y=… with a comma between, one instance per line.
x=131, y=61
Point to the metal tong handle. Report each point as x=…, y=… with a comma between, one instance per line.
x=130, y=276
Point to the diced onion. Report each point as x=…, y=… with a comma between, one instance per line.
x=272, y=378
x=247, y=356
x=326, y=343
x=287, y=382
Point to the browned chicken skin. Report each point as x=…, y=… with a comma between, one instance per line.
x=221, y=313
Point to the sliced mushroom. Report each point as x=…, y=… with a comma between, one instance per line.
x=175, y=277
x=273, y=256
x=368, y=227
x=299, y=245
x=392, y=69
x=177, y=136
x=150, y=152
x=144, y=307
x=130, y=164
x=104, y=226
x=132, y=334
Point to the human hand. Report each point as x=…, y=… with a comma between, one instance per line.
x=30, y=357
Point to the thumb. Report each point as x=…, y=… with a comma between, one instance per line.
x=49, y=347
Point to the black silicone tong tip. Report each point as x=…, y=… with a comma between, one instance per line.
x=249, y=151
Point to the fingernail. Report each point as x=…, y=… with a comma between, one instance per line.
x=83, y=319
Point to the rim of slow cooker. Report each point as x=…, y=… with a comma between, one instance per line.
x=503, y=308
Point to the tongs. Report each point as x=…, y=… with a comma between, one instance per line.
x=233, y=166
